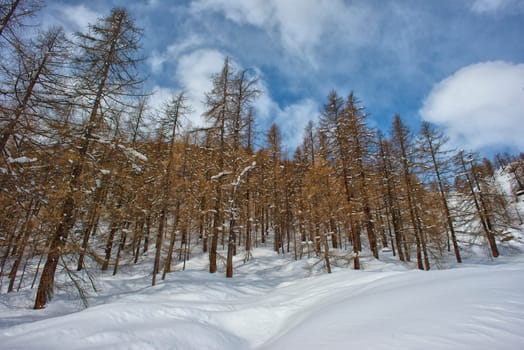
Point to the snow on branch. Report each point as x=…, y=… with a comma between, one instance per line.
x=244, y=171
x=221, y=174
x=133, y=153
x=21, y=160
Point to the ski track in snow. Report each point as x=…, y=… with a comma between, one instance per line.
x=270, y=304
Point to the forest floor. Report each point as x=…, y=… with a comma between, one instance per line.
x=275, y=302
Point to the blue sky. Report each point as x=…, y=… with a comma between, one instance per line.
x=456, y=63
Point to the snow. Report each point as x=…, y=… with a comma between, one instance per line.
x=220, y=175
x=21, y=160
x=133, y=153
x=274, y=302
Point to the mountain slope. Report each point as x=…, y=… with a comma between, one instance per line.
x=271, y=304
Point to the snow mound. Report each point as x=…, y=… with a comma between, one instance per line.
x=271, y=304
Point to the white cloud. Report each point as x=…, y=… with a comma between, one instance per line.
x=173, y=52
x=255, y=12
x=160, y=96
x=301, y=25
x=193, y=75
x=292, y=121
x=76, y=17
x=194, y=72
x=480, y=106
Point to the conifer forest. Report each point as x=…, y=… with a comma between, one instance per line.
x=92, y=178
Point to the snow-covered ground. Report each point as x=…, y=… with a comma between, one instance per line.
x=274, y=302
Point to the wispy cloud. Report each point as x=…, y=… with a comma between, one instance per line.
x=291, y=119
x=74, y=18
x=301, y=26
x=390, y=54
x=173, y=52
x=496, y=6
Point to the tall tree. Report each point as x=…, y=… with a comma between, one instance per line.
x=36, y=86
x=274, y=140
x=174, y=111
x=475, y=191
x=391, y=202
x=433, y=145
x=404, y=149
x=219, y=112
x=229, y=103
x=360, y=139
x=106, y=68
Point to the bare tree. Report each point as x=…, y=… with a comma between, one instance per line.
x=475, y=191
x=433, y=144
x=174, y=111
x=106, y=74
x=402, y=141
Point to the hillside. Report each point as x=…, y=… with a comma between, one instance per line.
x=277, y=303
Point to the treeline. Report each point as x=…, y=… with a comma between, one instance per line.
x=91, y=176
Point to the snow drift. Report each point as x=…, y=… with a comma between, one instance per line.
x=271, y=304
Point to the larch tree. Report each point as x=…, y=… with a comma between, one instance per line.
x=37, y=85
x=335, y=127
x=404, y=153
x=274, y=141
x=229, y=104
x=106, y=73
x=390, y=186
x=13, y=18
x=360, y=140
x=432, y=145
x=27, y=115
x=174, y=111
x=479, y=200
x=244, y=91
x=218, y=102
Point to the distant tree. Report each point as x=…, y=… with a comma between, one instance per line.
x=229, y=105
x=404, y=153
x=334, y=138
x=390, y=184
x=432, y=145
x=479, y=199
x=274, y=140
x=360, y=139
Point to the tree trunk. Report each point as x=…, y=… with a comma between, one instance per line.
x=47, y=280
x=326, y=255
x=109, y=244
x=121, y=246
x=22, y=242
x=158, y=244
x=167, y=265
